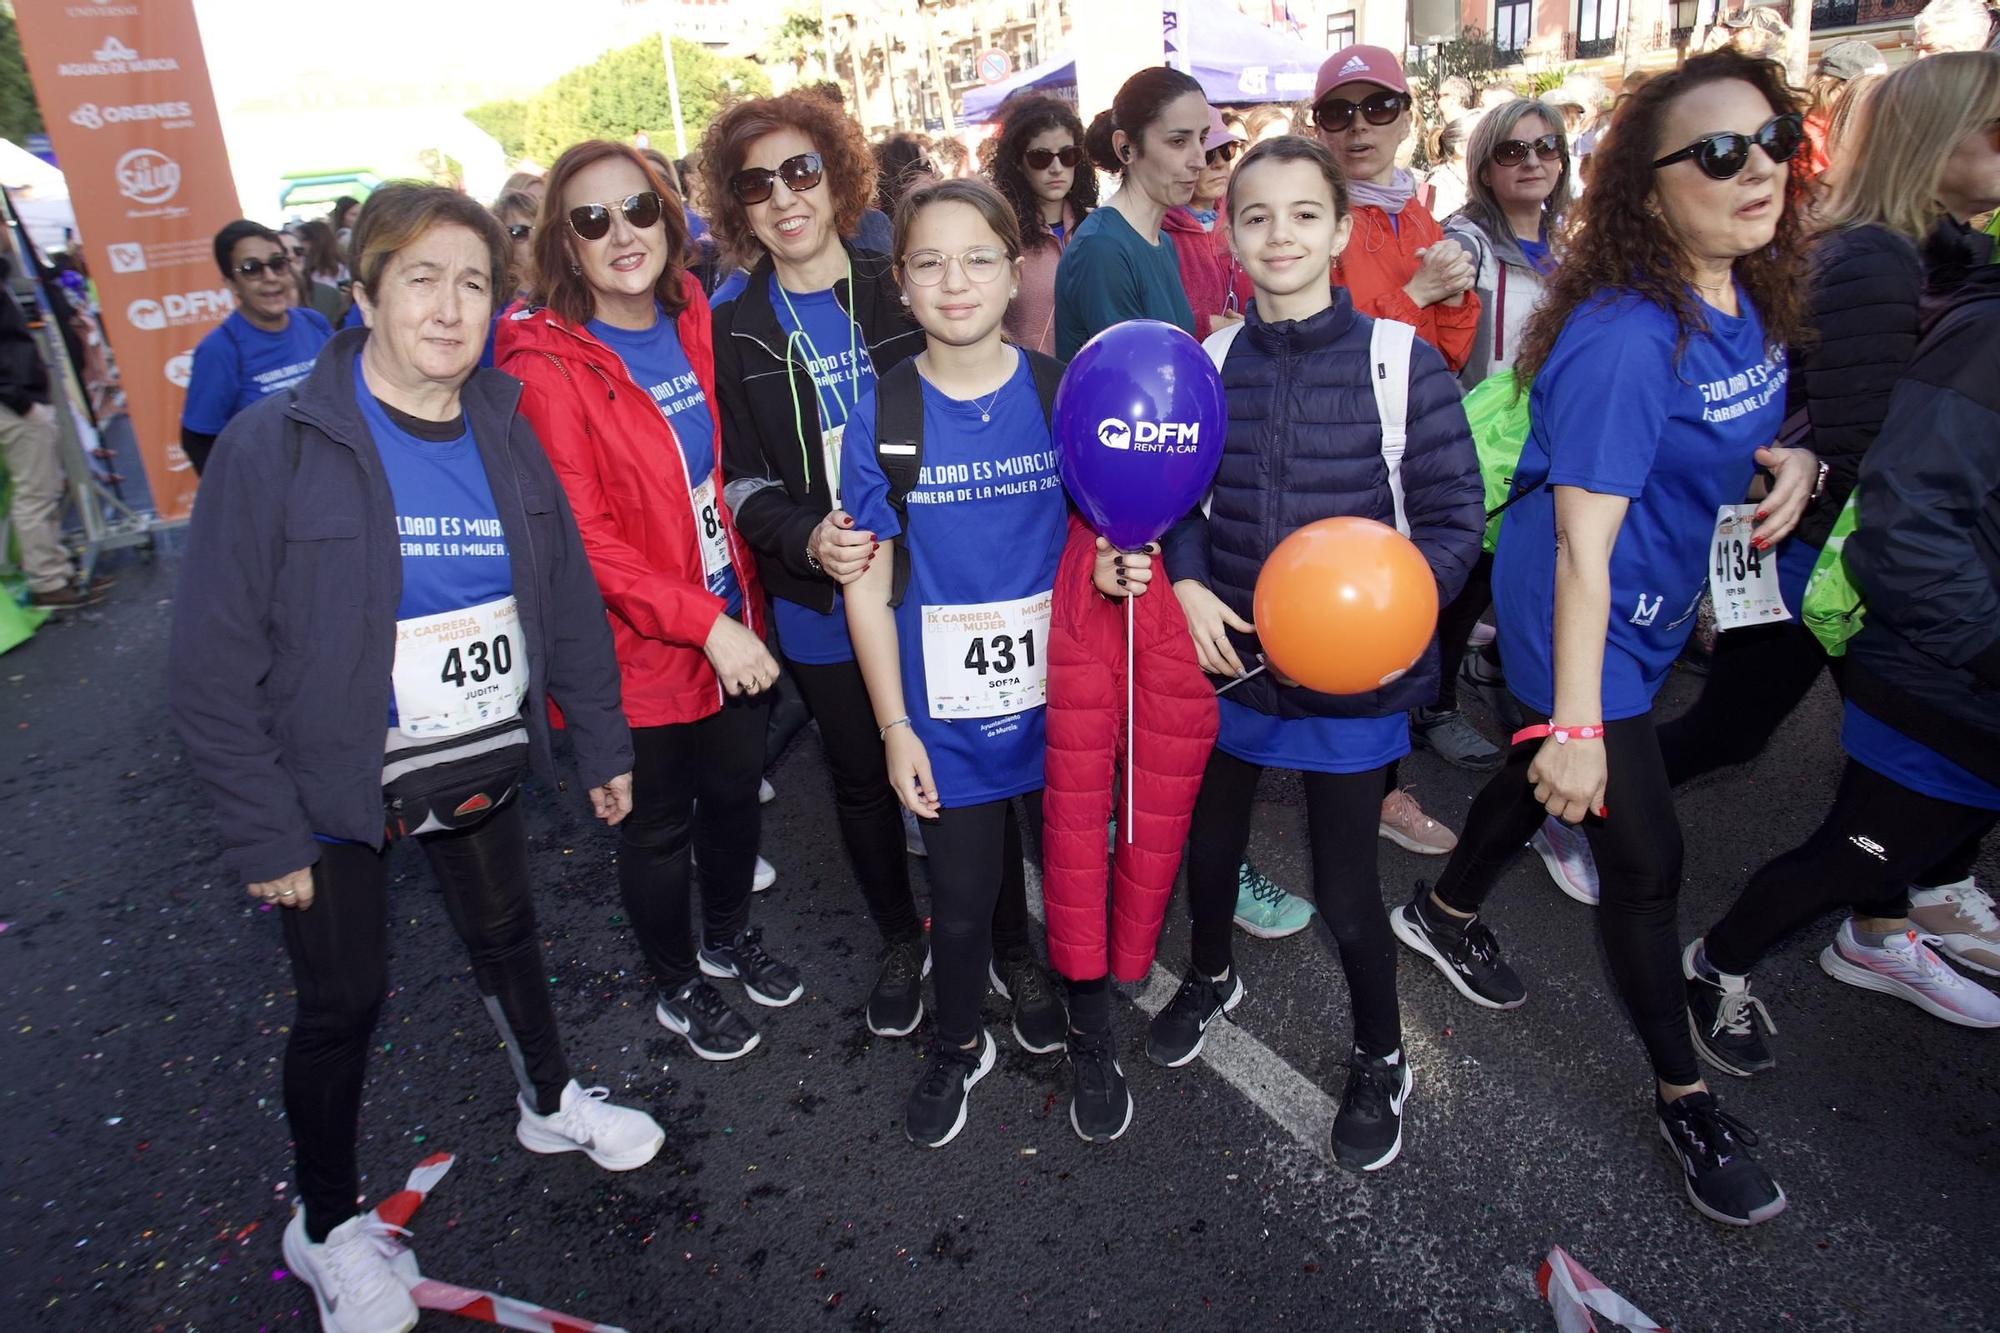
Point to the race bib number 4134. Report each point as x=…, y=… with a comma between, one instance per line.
x=1742, y=580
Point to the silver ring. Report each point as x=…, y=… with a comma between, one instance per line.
x=289, y=893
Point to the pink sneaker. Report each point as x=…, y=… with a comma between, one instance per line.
x=1405, y=824
x=1907, y=968
x=1961, y=915
x=1565, y=850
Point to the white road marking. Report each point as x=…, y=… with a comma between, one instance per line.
x=1294, y=1102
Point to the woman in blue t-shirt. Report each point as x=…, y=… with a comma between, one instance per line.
x=955, y=651
x=1659, y=374
x=1306, y=443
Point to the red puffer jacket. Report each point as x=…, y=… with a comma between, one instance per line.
x=627, y=481
x=1174, y=724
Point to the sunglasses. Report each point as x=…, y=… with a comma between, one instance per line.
x=926, y=268
x=1513, y=152
x=520, y=231
x=1224, y=153
x=1038, y=159
x=251, y=268
x=1337, y=113
x=754, y=186
x=592, y=222
x=1722, y=156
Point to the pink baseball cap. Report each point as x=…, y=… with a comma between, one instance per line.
x=1360, y=64
x=1219, y=132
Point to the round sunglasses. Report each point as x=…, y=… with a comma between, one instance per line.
x=1513, y=152
x=1724, y=155
x=592, y=222
x=1337, y=113
x=1038, y=159
x=754, y=185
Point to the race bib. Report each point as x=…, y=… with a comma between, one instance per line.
x=458, y=671
x=708, y=529
x=1742, y=580
x=987, y=660
x=829, y=443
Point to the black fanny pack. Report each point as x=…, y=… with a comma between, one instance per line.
x=454, y=783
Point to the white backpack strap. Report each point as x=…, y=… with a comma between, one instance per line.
x=1217, y=346
x=1389, y=368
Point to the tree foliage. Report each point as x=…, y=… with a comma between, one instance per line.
x=20, y=114
x=618, y=95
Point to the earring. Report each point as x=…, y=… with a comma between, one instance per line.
x=575, y=269
x=1016, y=292
x=904, y=298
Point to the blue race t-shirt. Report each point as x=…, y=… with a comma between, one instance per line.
x=658, y=364
x=238, y=363
x=1875, y=744
x=1613, y=412
x=454, y=551
x=1537, y=255
x=1311, y=744
x=821, y=335
x=352, y=319
x=987, y=524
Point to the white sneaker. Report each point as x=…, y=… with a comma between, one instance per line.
x=1961, y=915
x=913, y=835
x=766, y=793
x=763, y=877
x=1565, y=850
x=617, y=1138
x=353, y=1274
x=1907, y=968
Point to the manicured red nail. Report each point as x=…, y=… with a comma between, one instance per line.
x=1602, y=811
x=1761, y=513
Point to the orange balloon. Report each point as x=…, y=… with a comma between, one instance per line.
x=1345, y=605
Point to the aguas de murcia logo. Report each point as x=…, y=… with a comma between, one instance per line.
x=113, y=58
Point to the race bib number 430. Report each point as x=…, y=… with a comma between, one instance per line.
x=460, y=670
x=1742, y=580
x=989, y=659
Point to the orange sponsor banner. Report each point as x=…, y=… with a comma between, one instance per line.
x=124, y=91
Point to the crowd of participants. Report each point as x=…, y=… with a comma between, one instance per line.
x=646, y=522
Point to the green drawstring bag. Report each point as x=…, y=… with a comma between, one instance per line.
x=1498, y=415
x=1832, y=607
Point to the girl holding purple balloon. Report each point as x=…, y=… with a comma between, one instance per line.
x=1306, y=442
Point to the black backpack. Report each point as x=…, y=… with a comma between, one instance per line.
x=899, y=439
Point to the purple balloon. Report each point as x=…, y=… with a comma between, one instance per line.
x=1139, y=423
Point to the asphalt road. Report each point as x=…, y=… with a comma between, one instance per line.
x=145, y=1174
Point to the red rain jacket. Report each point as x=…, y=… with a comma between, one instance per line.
x=1381, y=257
x=627, y=481
x=1174, y=724
x=1202, y=269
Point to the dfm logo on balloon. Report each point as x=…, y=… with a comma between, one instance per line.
x=1150, y=437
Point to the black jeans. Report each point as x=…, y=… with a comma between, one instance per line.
x=1455, y=624
x=1637, y=847
x=340, y=965
x=1342, y=811
x=1756, y=677
x=979, y=907
x=694, y=799
x=1877, y=836
x=870, y=817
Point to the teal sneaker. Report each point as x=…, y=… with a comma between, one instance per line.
x=1265, y=910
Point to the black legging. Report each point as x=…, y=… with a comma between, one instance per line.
x=1878, y=834
x=871, y=821
x=1637, y=847
x=340, y=965
x=1455, y=624
x=694, y=788
x=979, y=907
x=1342, y=811
x=1756, y=677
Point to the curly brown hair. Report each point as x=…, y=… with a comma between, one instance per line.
x=843, y=149
x=1620, y=243
x=558, y=284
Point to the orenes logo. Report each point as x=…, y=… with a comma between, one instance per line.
x=148, y=176
x=179, y=369
x=88, y=116
x=91, y=116
x=1114, y=434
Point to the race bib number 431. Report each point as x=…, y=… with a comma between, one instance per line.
x=1742, y=580
x=989, y=659
x=460, y=670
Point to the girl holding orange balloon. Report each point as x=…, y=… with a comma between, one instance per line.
x=1347, y=606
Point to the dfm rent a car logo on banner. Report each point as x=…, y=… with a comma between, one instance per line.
x=126, y=96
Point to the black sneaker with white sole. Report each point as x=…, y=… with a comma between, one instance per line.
x=1100, y=1105
x=1465, y=951
x=1724, y=1018
x=1368, y=1131
x=935, y=1112
x=1451, y=736
x=1722, y=1181
x=1176, y=1033
x=1041, y=1019
x=714, y=1031
x=896, y=1005
x=765, y=980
